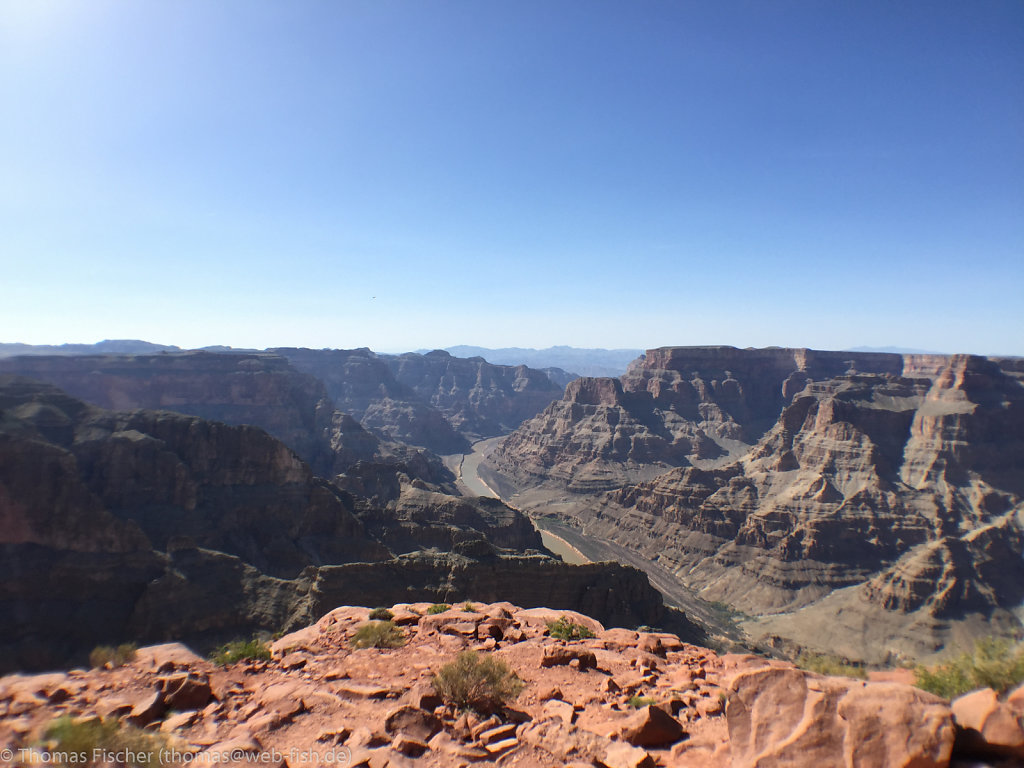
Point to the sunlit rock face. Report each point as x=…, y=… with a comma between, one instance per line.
x=770, y=478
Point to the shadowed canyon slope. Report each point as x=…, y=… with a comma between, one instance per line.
x=434, y=400
x=153, y=525
x=875, y=498
x=255, y=389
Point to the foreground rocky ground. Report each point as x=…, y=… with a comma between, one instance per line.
x=621, y=699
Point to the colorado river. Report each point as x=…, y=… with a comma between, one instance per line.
x=469, y=476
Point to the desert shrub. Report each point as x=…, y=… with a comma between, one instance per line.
x=996, y=664
x=116, y=657
x=468, y=607
x=477, y=681
x=80, y=741
x=640, y=701
x=378, y=634
x=438, y=608
x=237, y=650
x=828, y=664
x=564, y=629
x=381, y=614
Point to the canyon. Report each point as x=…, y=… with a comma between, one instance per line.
x=149, y=525
x=865, y=504
x=859, y=503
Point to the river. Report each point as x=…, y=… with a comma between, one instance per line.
x=469, y=476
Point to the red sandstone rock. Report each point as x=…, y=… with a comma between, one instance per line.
x=561, y=655
x=787, y=717
x=652, y=727
x=374, y=703
x=413, y=722
x=988, y=727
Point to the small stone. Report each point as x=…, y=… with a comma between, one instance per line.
x=412, y=722
x=551, y=693
x=479, y=726
x=177, y=721
x=561, y=655
x=185, y=690
x=560, y=709
x=619, y=755
x=147, y=709
x=652, y=727
x=294, y=660
x=359, y=691
x=497, y=747
x=407, y=745
x=497, y=734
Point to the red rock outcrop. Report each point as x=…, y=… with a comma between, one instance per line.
x=320, y=700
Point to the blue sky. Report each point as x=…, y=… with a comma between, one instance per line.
x=399, y=175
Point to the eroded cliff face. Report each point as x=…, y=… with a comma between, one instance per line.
x=433, y=400
x=75, y=477
x=240, y=389
x=897, y=477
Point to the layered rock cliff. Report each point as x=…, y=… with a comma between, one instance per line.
x=898, y=477
x=255, y=389
x=433, y=400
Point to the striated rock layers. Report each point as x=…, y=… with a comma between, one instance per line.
x=147, y=525
x=885, y=487
x=433, y=400
x=256, y=389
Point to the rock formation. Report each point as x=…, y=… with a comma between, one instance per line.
x=433, y=400
x=242, y=389
x=862, y=485
x=621, y=699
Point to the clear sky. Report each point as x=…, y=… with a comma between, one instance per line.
x=398, y=175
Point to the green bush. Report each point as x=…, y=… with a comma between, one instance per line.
x=996, y=664
x=378, y=634
x=468, y=607
x=237, y=650
x=381, y=614
x=438, y=608
x=80, y=741
x=564, y=629
x=640, y=701
x=476, y=681
x=828, y=664
x=116, y=657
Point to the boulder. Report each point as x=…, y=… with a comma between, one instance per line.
x=412, y=722
x=563, y=655
x=183, y=691
x=652, y=727
x=787, y=717
x=987, y=727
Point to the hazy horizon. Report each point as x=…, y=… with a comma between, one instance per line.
x=892, y=349
x=401, y=175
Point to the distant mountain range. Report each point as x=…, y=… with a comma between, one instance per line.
x=107, y=347
x=895, y=350
x=585, y=362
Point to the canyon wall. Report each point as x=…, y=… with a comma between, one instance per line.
x=774, y=479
